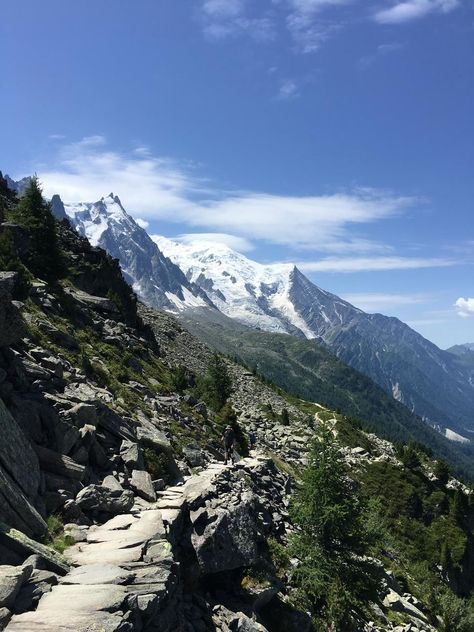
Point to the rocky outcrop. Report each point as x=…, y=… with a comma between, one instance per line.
x=134, y=571
x=11, y=325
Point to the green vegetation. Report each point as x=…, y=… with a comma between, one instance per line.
x=179, y=380
x=55, y=536
x=215, y=387
x=10, y=262
x=45, y=259
x=336, y=530
x=307, y=370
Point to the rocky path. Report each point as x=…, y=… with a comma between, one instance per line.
x=124, y=576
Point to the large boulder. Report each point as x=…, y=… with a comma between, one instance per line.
x=226, y=537
x=96, y=499
x=142, y=484
x=17, y=456
x=11, y=581
x=59, y=464
x=19, y=478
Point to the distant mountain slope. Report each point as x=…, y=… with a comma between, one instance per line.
x=152, y=275
x=465, y=357
x=280, y=298
x=309, y=371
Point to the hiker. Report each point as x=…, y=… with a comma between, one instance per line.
x=252, y=440
x=229, y=439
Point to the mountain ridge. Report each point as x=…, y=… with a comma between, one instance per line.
x=280, y=298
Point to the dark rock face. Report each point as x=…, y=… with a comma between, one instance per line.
x=11, y=325
x=19, y=477
x=57, y=207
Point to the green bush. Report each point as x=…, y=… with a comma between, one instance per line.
x=179, y=380
x=335, y=577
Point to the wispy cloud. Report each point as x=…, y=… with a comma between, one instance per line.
x=465, y=307
x=307, y=27
x=288, y=90
x=157, y=188
x=236, y=243
x=372, y=264
x=381, y=51
x=379, y=301
x=412, y=10
x=231, y=18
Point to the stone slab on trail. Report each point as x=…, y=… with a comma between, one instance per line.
x=99, y=573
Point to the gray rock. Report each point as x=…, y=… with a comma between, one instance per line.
x=82, y=414
x=226, y=538
x=99, y=303
x=143, y=485
x=110, y=482
x=98, y=499
x=16, y=510
x=39, y=583
x=11, y=325
x=92, y=574
x=11, y=580
x=5, y=616
x=194, y=456
x=24, y=546
x=59, y=464
x=131, y=454
x=77, y=533
x=17, y=455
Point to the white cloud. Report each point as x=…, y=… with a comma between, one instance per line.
x=413, y=9
x=233, y=241
x=379, y=302
x=372, y=264
x=142, y=222
x=380, y=51
x=288, y=90
x=157, y=188
x=230, y=18
x=223, y=8
x=306, y=26
x=308, y=33
x=465, y=307
x=312, y=6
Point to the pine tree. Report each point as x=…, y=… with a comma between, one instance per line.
x=460, y=507
x=441, y=471
x=218, y=382
x=334, y=534
x=34, y=214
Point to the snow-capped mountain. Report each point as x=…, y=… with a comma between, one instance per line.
x=153, y=276
x=200, y=276
x=280, y=298
x=254, y=294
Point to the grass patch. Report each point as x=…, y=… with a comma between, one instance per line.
x=55, y=536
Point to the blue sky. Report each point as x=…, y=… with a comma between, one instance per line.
x=334, y=133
